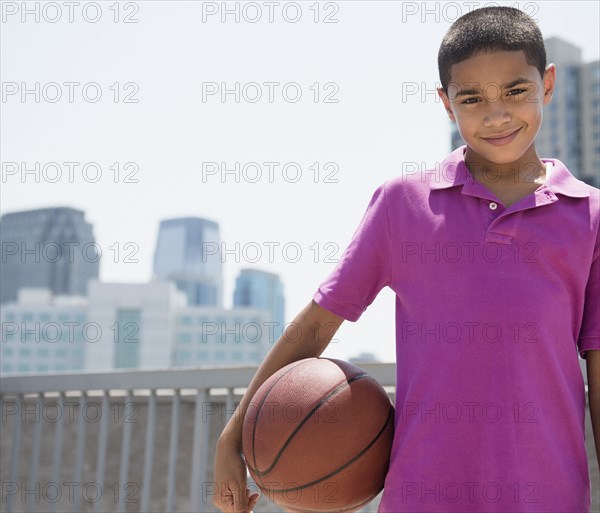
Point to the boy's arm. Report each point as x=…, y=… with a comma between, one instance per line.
x=317, y=326
x=592, y=361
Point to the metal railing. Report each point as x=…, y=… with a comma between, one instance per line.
x=27, y=395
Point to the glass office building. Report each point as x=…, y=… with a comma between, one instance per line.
x=188, y=253
x=51, y=248
x=262, y=290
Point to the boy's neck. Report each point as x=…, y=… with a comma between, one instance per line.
x=529, y=169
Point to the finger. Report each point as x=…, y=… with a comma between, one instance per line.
x=253, y=499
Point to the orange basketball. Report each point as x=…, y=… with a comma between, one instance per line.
x=317, y=436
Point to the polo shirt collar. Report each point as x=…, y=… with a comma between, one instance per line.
x=453, y=171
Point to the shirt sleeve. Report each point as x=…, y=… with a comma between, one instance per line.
x=365, y=265
x=589, y=335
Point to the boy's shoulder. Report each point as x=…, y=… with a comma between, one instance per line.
x=420, y=178
x=563, y=181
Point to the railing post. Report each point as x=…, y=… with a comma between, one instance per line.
x=79, y=449
x=58, y=438
x=102, y=435
x=230, y=406
x=149, y=450
x=125, y=447
x=14, y=457
x=199, y=453
x=173, y=450
x=37, y=436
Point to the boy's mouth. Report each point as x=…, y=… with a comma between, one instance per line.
x=502, y=139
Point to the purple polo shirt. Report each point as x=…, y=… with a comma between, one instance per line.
x=493, y=305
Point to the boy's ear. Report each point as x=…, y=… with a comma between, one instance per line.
x=446, y=102
x=549, y=83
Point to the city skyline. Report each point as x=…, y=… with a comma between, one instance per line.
x=169, y=154
x=175, y=319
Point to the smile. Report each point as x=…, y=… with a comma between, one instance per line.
x=500, y=141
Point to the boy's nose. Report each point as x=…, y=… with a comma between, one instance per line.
x=497, y=115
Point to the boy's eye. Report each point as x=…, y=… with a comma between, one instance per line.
x=516, y=91
x=516, y=97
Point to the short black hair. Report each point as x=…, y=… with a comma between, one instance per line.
x=489, y=29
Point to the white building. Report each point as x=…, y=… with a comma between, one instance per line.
x=127, y=325
x=42, y=332
x=135, y=322
x=221, y=337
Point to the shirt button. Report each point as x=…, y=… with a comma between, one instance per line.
x=493, y=205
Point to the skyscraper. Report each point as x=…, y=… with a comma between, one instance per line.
x=262, y=290
x=590, y=123
x=188, y=252
x=560, y=135
x=570, y=130
x=51, y=248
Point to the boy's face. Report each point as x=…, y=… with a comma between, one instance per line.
x=493, y=107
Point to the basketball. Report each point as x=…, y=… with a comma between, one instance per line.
x=317, y=436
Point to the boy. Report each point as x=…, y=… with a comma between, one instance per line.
x=494, y=259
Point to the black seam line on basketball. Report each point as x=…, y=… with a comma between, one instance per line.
x=391, y=410
x=302, y=510
x=344, y=383
x=260, y=408
x=262, y=402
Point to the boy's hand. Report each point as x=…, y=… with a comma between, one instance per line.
x=230, y=478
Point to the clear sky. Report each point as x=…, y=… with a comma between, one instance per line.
x=353, y=126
